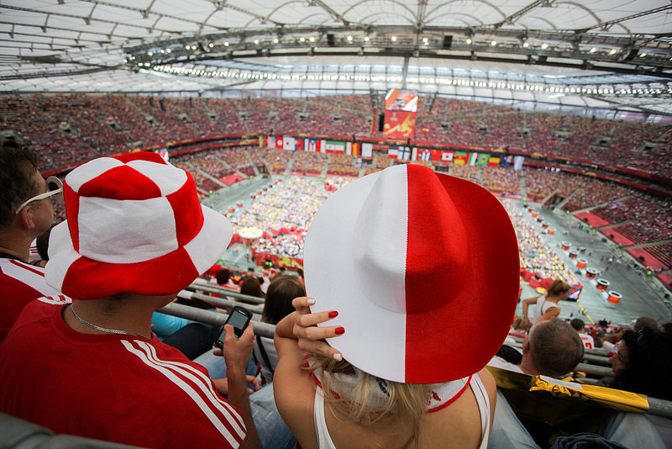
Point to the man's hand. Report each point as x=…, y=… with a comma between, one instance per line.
x=237, y=350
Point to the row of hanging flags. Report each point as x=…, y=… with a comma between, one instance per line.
x=290, y=143
x=405, y=153
x=402, y=153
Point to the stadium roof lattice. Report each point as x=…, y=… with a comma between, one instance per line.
x=613, y=54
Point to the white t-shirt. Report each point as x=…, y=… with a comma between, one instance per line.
x=588, y=341
x=541, y=307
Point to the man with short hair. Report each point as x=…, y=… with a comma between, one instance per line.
x=25, y=212
x=580, y=328
x=135, y=236
x=552, y=348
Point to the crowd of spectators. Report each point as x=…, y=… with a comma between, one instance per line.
x=541, y=183
x=76, y=127
x=501, y=180
x=593, y=192
x=307, y=163
x=342, y=165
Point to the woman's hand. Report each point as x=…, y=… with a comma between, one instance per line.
x=311, y=338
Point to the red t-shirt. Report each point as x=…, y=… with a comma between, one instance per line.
x=120, y=388
x=20, y=284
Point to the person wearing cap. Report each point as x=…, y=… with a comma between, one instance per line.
x=397, y=264
x=26, y=212
x=135, y=235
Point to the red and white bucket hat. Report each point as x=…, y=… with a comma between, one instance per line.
x=423, y=269
x=134, y=225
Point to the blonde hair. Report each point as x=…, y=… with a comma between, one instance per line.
x=402, y=408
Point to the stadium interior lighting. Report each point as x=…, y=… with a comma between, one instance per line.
x=393, y=38
x=256, y=42
x=493, y=43
x=613, y=51
x=425, y=40
x=526, y=44
x=275, y=40
x=469, y=41
x=593, y=50
x=366, y=38
x=311, y=39
x=544, y=46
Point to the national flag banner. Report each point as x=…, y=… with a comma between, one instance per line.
x=473, y=158
x=312, y=145
x=404, y=153
x=414, y=154
x=422, y=154
x=518, y=162
x=392, y=152
x=367, y=150
x=279, y=143
x=506, y=161
x=261, y=142
x=289, y=143
x=483, y=159
x=436, y=155
x=348, y=148
x=460, y=158
x=323, y=146
x=270, y=142
x=447, y=156
x=332, y=146
x=356, y=149
x=494, y=161
x=299, y=144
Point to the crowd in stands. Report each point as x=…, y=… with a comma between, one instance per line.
x=593, y=192
x=73, y=128
x=306, y=163
x=342, y=165
x=501, y=180
x=541, y=183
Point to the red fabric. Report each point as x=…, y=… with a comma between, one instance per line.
x=435, y=303
x=136, y=186
x=15, y=284
x=165, y=275
x=190, y=221
x=93, y=386
x=72, y=212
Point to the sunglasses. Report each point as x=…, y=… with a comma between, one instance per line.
x=54, y=186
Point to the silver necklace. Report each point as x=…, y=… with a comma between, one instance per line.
x=100, y=328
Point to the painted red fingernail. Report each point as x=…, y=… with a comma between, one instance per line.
x=340, y=330
x=333, y=314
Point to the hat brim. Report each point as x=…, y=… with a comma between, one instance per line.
x=457, y=339
x=82, y=278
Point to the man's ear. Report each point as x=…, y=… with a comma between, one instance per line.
x=526, y=346
x=25, y=218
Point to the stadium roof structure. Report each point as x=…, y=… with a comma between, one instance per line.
x=611, y=54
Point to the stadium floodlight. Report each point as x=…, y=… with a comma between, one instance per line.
x=275, y=40
x=366, y=38
x=526, y=44
x=256, y=42
x=544, y=46
x=349, y=38
x=469, y=41
x=493, y=43
x=311, y=39
x=393, y=38
x=226, y=43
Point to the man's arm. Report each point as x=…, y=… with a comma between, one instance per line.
x=236, y=354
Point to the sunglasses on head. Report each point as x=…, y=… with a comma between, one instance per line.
x=54, y=186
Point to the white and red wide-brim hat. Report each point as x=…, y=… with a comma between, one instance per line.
x=423, y=269
x=134, y=225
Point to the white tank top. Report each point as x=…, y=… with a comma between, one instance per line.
x=541, y=307
x=324, y=440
